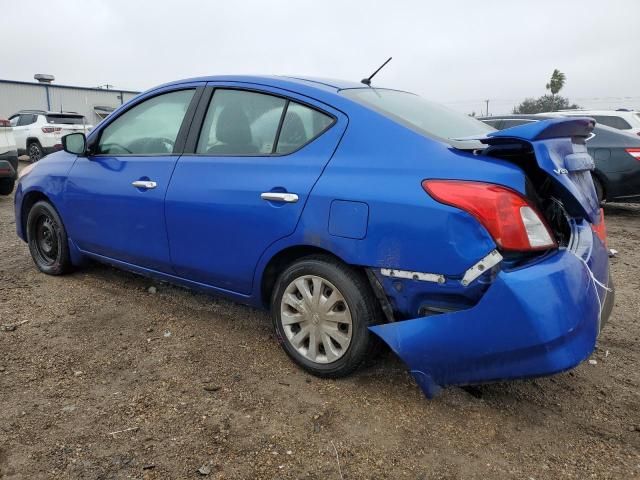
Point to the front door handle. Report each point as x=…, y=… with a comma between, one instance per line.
x=146, y=184
x=279, y=197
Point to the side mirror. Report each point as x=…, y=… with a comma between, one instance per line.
x=75, y=143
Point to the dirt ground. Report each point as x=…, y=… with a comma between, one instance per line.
x=107, y=380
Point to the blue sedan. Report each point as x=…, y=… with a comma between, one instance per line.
x=357, y=215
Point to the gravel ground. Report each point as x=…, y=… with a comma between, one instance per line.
x=103, y=379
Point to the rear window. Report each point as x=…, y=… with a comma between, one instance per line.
x=421, y=115
x=66, y=119
x=611, y=121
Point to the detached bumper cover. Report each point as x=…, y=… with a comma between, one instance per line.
x=533, y=321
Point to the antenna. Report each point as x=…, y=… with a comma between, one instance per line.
x=367, y=81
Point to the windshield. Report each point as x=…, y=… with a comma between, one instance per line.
x=415, y=112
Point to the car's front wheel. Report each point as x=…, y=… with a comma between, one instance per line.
x=321, y=311
x=47, y=239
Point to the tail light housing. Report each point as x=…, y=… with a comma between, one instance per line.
x=51, y=129
x=634, y=152
x=513, y=222
x=4, y=123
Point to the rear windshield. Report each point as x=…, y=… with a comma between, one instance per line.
x=415, y=112
x=66, y=119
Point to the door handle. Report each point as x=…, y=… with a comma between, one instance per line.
x=146, y=184
x=279, y=197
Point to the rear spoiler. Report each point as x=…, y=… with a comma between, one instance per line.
x=546, y=129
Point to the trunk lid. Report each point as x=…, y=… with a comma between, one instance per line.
x=558, y=148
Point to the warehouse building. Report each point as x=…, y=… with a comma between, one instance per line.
x=93, y=103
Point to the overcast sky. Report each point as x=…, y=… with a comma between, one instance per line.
x=457, y=52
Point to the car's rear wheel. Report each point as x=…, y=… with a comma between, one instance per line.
x=35, y=152
x=321, y=311
x=6, y=186
x=47, y=238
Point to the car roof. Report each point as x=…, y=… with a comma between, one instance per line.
x=47, y=112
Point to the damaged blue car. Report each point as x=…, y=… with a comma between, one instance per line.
x=356, y=214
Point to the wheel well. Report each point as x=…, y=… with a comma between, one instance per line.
x=30, y=199
x=282, y=260
x=31, y=140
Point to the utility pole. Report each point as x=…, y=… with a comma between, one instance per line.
x=487, y=102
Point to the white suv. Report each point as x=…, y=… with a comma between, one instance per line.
x=8, y=158
x=38, y=133
x=626, y=120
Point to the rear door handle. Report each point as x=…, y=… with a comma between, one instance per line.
x=279, y=197
x=146, y=184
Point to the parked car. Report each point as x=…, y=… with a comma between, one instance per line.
x=352, y=213
x=38, y=133
x=8, y=158
x=626, y=120
x=617, y=157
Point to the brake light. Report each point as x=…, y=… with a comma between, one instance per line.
x=51, y=129
x=511, y=220
x=600, y=229
x=4, y=123
x=634, y=152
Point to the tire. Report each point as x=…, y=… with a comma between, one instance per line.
x=6, y=186
x=351, y=299
x=599, y=190
x=35, y=151
x=47, y=239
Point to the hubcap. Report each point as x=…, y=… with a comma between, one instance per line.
x=34, y=153
x=47, y=239
x=316, y=319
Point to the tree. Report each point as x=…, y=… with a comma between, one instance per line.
x=547, y=103
x=557, y=82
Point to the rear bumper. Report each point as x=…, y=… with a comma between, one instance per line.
x=532, y=321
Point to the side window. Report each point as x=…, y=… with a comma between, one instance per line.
x=14, y=120
x=301, y=125
x=515, y=122
x=26, y=119
x=497, y=124
x=611, y=121
x=149, y=128
x=240, y=123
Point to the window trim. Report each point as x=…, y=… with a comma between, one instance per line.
x=201, y=113
x=178, y=147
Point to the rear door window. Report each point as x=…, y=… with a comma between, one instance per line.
x=27, y=119
x=240, y=122
x=300, y=126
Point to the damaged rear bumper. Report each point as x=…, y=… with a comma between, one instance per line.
x=532, y=321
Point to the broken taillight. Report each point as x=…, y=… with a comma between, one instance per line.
x=600, y=229
x=513, y=222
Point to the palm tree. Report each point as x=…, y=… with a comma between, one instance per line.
x=556, y=83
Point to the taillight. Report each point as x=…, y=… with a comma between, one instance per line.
x=601, y=229
x=634, y=152
x=4, y=123
x=51, y=129
x=511, y=220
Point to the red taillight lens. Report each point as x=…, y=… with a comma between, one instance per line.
x=511, y=220
x=51, y=129
x=601, y=229
x=4, y=123
x=634, y=152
